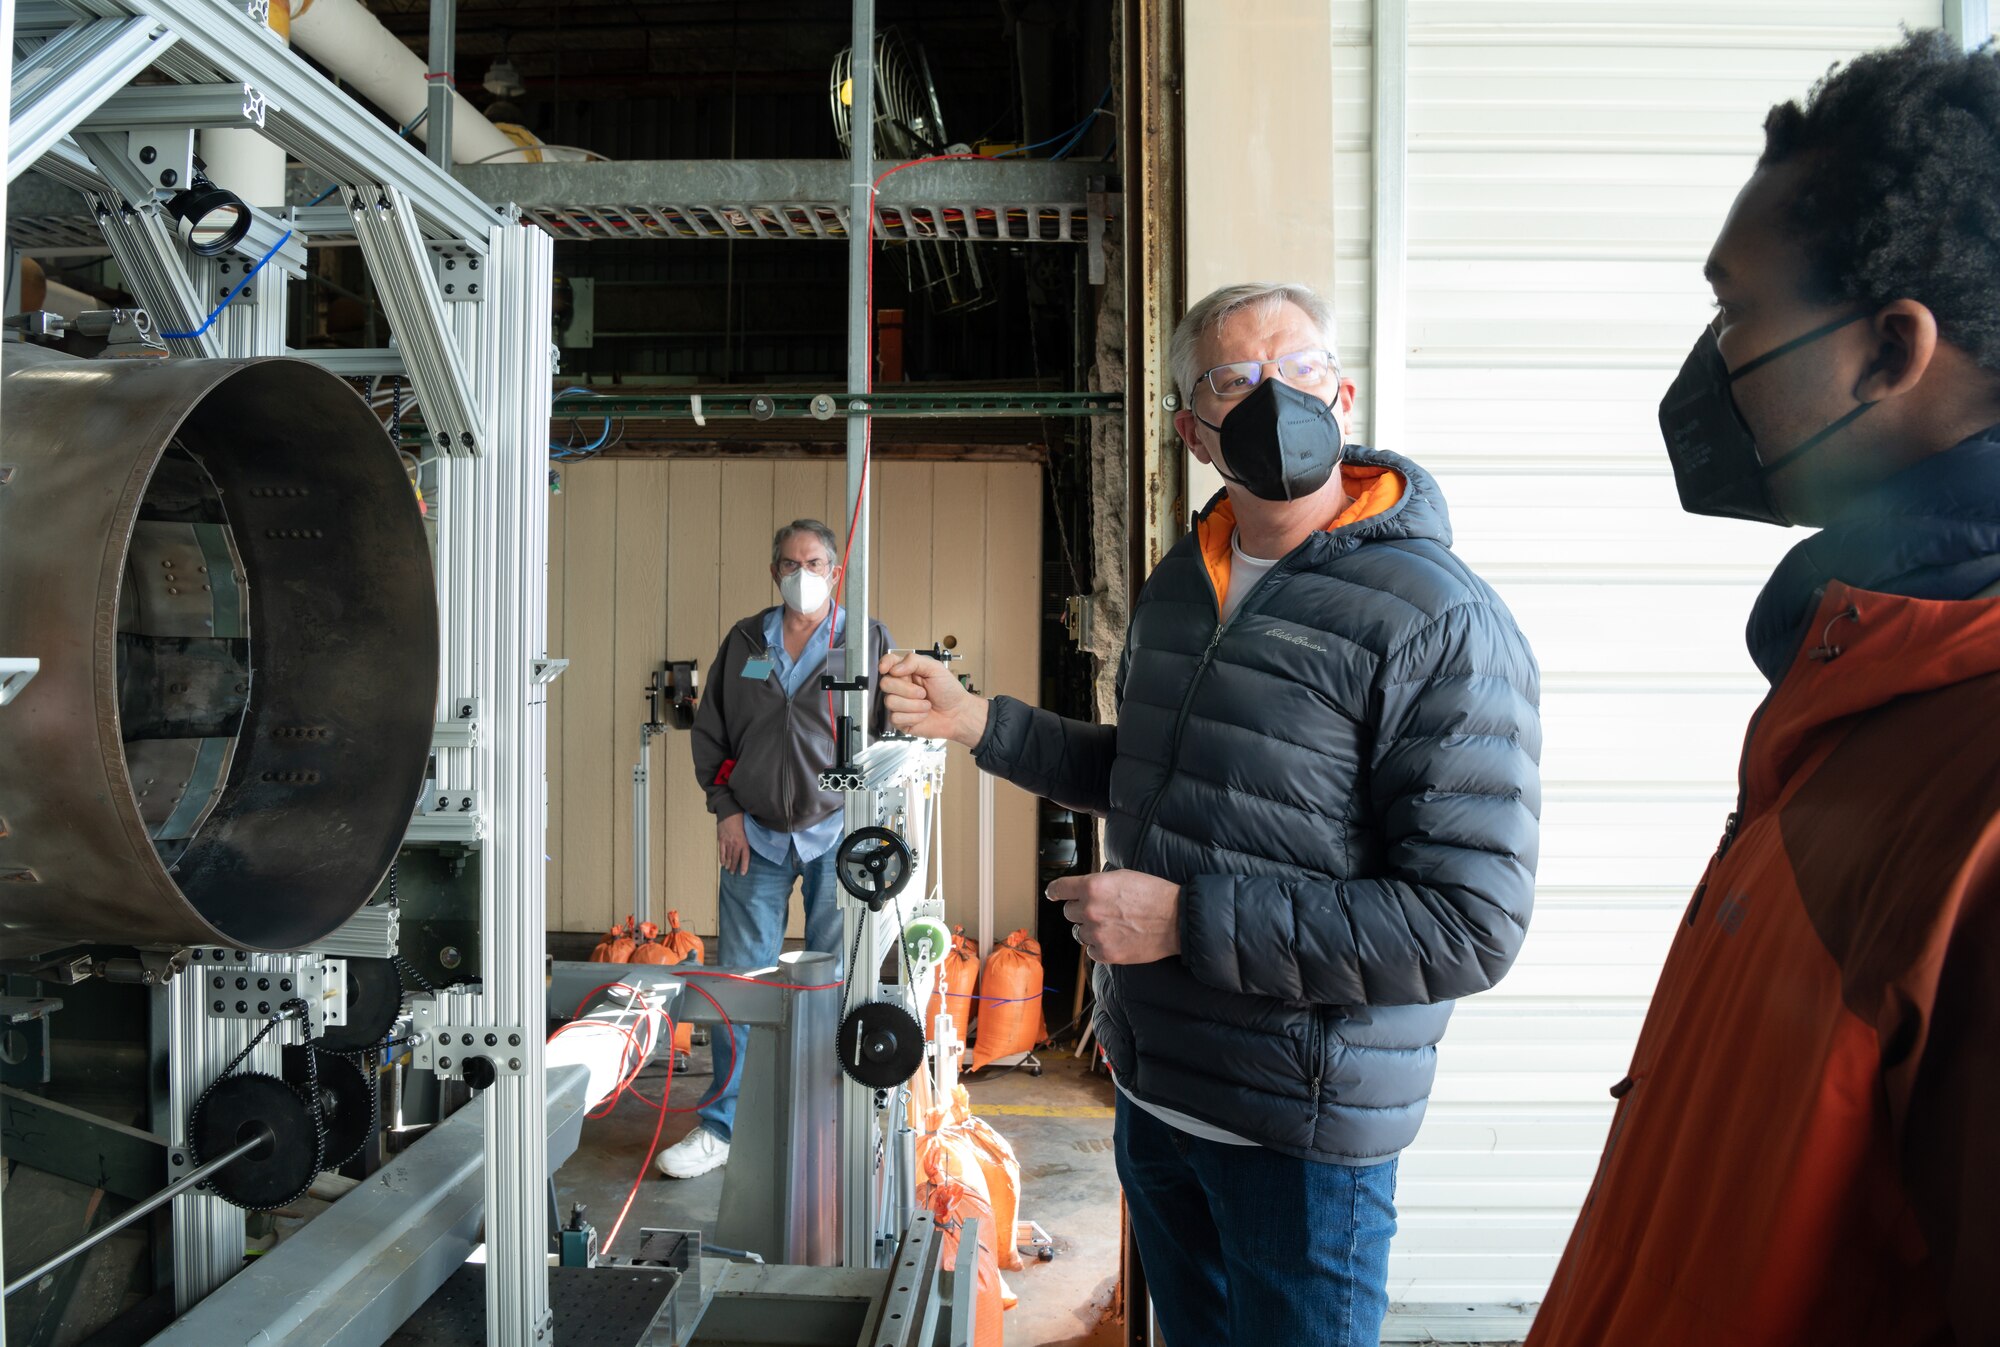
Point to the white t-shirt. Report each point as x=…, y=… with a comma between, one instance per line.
x=1245, y=572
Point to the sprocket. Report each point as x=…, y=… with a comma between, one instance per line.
x=278, y=1172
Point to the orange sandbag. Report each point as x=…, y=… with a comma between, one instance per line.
x=607, y=948
x=683, y=945
x=1010, y=1001
x=647, y=949
x=957, y=981
x=953, y=1189
x=1002, y=1171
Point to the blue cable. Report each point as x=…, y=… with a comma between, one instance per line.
x=216, y=312
x=333, y=187
x=1074, y=133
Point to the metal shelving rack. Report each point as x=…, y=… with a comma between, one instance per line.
x=481, y=367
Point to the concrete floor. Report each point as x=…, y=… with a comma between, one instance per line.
x=1060, y=1127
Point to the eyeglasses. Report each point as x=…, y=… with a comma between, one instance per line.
x=1300, y=369
x=817, y=566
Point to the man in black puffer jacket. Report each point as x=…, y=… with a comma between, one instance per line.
x=1321, y=802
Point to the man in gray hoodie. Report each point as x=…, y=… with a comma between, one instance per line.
x=762, y=736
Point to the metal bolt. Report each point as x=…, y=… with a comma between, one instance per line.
x=148, y=154
x=450, y=288
x=493, y=1040
x=472, y=289
x=217, y=984
x=169, y=178
x=1171, y=402
x=243, y=984
x=513, y=1063
x=513, y=1040
x=445, y=1039
x=242, y=956
x=243, y=1007
x=449, y=956
x=219, y=1007
x=284, y=984
x=263, y=1007
x=263, y=984
x=217, y=955
x=444, y=1063
x=474, y=264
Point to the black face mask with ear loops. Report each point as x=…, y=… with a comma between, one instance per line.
x=1278, y=443
x=1717, y=468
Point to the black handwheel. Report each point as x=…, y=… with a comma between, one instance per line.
x=881, y=1044
x=874, y=864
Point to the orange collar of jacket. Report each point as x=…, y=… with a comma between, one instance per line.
x=1864, y=649
x=1372, y=491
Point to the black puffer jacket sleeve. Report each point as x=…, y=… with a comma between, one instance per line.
x=1456, y=795
x=1067, y=761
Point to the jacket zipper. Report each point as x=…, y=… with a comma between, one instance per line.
x=1187, y=700
x=1734, y=823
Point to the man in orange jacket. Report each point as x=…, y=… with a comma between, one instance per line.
x=1807, y=1148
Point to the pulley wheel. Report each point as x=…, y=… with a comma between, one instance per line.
x=874, y=864
x=346, y=1100
x=881, y=1044
x=374, y=1000
x=276, y=1173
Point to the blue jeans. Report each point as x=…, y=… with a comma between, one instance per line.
x=753, y=908
x=1244, y=1247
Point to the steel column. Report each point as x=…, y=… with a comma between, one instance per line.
x=442, y=77
x=1389, y=343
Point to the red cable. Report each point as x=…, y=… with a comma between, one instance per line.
x=647, y=1157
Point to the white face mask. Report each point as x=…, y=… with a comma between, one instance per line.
x=805, y=592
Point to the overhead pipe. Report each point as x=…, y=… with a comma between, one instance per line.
x=351, y=42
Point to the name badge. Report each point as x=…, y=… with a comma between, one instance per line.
x=756, y=670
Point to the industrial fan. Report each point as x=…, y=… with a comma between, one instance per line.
x=910, y=125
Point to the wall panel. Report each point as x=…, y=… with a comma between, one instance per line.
x=655, y=559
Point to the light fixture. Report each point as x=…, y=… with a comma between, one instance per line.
x=212, y=219
x=503, y=80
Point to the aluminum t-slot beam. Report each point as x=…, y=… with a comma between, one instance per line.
x=365, y=1264
x=385, y=224
x=316, y=122
x=68, y=77
x=201, y=106
x=150, y=261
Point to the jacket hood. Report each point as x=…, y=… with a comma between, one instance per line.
x=1421, y=512
x=1863, y=649
x=1930, y=532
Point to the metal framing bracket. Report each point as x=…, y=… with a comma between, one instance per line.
x=246, y=986
x=436, y=1045
x=458, y=273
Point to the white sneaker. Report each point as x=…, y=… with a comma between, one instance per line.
x=696, y=1153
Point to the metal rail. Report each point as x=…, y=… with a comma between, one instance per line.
x=140, y=1210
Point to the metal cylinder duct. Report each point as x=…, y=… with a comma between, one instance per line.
x=222, y=569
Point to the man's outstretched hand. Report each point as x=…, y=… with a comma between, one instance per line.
x=924, y=698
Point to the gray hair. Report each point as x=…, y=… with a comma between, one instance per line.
x=812, y=526
x=1216, y=308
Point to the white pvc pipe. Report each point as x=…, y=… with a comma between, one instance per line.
x=247, y=164
x=351, y=42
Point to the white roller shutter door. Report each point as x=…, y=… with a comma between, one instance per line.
x=1569, y=164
